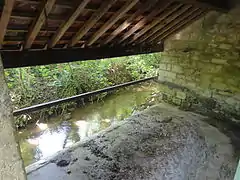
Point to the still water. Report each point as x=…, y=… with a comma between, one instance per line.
x=45, y=139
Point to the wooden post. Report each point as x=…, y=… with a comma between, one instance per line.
x=11, y=164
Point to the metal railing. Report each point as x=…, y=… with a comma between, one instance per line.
x=77, y=97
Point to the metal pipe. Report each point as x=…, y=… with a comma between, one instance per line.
x=74, y=98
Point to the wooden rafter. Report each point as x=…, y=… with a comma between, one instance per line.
x=92, y=21
x=42, y=24
x=142, y=8
x=24, y=28
x=6, y=14
x=218, y=5
x=142, y=22
x=191, y=11
x=53, y=56
x=39, y=21
x=127, y=6
x=171, y=19
x=36, y=2
x=162, y=24
x=65, y=25
x=154, y=22
x=54, y=18
x=182, y=25
x=30, y=16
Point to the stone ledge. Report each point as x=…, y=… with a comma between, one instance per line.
x=147, y=142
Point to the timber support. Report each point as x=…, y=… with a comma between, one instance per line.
x=52, y=56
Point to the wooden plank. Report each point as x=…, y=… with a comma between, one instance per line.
x=174, y=15
x=58, y=19
x=127, y=6
x=37, y=2
x=218, y=5
x=155, y=22
x=24, y=28
x=68, y=4
x=39, y=21
x=183, y=24
x=37, y=41
x=54, y=56
x=91, y=22
x=142, y=22
x=19, y=15
x=192, y=11
x=143, y=7
x=5, y=17
x=65, y=25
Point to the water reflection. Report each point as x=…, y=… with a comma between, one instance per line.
x=42, y=126
x=44, y=140
x=49, y=141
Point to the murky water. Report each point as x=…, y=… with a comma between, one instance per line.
x=45, y=139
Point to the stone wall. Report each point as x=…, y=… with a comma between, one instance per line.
x=200, y=68
x=11, y=164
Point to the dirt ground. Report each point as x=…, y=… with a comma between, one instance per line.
x=159, y=143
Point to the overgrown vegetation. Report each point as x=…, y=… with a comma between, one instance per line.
x=34, y=85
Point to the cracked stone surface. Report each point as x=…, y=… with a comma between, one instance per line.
x=159, y=143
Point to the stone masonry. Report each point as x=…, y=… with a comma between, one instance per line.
x=11, y=165
x=201, y=66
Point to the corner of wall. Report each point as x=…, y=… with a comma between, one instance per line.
x=201, y=65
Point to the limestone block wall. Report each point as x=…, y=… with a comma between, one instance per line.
x=200, y=68
x=11, y=164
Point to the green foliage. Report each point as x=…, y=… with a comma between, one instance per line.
x=34, y=85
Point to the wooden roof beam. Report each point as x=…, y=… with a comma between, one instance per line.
x=142, y=8
x=56, y=18
x=166, y=21
x=155, y=22
x=54, y=56
x=65, y=25
x=218, y=5
x=91, y=22
x=142, y=22
x=39, y=21
x=6, y=14
x=36, y=2
x=119, y=14
x=191, y=11
x=172, y=19
x=181, y=25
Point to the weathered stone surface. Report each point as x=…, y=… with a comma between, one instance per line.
x=11, y=165
x=163, y=66
x=166, y=75
x=219, y=86
x=205, y=58
x=219, y=61
x=181, y=95
x=225, y=46
x=159, y=143
x=177, y=69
